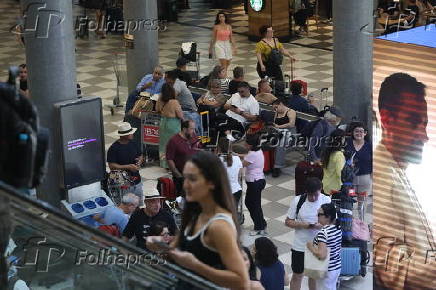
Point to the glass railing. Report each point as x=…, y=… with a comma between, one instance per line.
x=53, y=251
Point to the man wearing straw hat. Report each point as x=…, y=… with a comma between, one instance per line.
x=141, y=220
x=125, y=155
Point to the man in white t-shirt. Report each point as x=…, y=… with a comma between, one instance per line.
x=303, y=217
x=241, y=108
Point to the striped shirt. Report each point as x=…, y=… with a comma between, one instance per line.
x=224, y=85
x=332, y=237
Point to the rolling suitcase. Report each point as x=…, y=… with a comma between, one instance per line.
x=303, y=83
x=166, y=188
x=268, y=160
x=304, y=170
x=350, y=261
x=364, y=254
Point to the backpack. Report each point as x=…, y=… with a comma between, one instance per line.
x=307, y=130
x=24, y=144
x=301, y=201
x=276, y=56
x=349, y=171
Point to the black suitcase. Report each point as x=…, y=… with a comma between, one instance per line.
x=364, y=253
x=115, y=20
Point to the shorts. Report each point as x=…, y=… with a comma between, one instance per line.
x=297, y=263
x=223, y=50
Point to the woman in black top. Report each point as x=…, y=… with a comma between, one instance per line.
x=209, y=236
x=285, y=121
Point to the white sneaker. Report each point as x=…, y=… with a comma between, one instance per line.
x=258, y=233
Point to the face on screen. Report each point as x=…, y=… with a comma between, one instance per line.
x=407, y=128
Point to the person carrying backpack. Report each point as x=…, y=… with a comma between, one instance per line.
x=333, y=162
x=303, y=217
x=317, y=131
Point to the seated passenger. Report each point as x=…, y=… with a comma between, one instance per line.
x=264, y=92
x=119, y=215
x=213, y=98
x=284, y=120
x=152, y=83
x=142, y=219
x=181, y=71
x=323, y=128
x=219, y=73
x=125, y=155
x=241, y=108
x=238, y=77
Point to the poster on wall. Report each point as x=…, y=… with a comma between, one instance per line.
x=404, y=215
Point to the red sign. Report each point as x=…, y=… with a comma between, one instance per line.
x=151, y=134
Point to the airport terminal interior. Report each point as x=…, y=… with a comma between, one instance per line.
x=100, y=61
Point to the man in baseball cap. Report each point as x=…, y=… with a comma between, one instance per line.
x=125, y=155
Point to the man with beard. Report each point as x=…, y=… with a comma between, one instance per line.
x=179, y=148
x=404, y=245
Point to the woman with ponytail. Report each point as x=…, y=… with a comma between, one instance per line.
x=233, y=166
x=330, y=236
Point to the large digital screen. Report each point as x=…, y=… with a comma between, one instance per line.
x=404, y=215
x=82, y=137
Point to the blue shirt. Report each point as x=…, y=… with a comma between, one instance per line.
x=156, y=88
x=363, y=157
x=273, y=277
x=114, y=215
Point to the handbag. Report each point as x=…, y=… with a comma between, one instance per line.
x=360, y=230
x=313, y=267
x=143, y=104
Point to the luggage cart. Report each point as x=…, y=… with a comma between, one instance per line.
x=118, y=184
x=319, y=98
x=150, y=122
x=119, y=66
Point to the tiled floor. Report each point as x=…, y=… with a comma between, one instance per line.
x=96, y=77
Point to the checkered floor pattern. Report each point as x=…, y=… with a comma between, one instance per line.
x=95, y=73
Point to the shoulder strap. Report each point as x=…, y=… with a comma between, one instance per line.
x=300, y=204
x=221, y=216
x=275, y=44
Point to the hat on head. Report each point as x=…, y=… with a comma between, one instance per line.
x=125, y=129
x=336, y=111
x=152, y=194
x=181, y=61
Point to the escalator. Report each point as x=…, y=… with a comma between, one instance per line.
x=54, y=251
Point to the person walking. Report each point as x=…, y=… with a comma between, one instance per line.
x=266, y=66
x=222, y=41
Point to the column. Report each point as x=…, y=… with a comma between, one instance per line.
x=141, y=17
x=52, y=76
x=352, y=57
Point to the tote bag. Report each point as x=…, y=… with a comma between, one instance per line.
x=314, y=267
